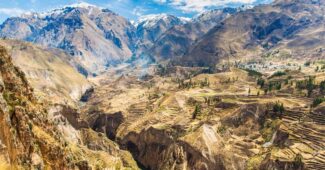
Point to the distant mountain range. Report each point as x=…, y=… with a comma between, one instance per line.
x=98, y=38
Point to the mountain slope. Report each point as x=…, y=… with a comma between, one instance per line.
x=31, y=137
x=151, y=27
x=49, y=71
x=96, y=37
x=176, y=41
x=257, y=30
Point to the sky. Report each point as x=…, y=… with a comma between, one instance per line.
x=131, y=9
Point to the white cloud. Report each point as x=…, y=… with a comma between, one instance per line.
x=139, y=11
x=201, y=5
x=12, y=11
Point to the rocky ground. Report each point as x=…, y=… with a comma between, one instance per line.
x=243, y=116
x=35, y=135
x=226, y=120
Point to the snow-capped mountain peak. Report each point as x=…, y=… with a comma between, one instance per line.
x=148, y=21
x=58, y=11
x=81, y=5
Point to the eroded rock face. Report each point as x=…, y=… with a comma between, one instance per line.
x=156, y=149
x=270, y=163
x=106, y=123
x=49, y=72
x=31, y=139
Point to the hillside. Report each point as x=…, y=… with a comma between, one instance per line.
x=230, y=89
x=296, y=26
x=176, y=41
x=49, y=72
x=30, y=138
x=96, y=37
x=151, y=27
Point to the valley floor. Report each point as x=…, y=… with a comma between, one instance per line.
x=225, y=120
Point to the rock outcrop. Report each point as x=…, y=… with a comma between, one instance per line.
x=30, y=139
x=49, y=71
x=96, y=37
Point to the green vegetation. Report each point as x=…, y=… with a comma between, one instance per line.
x=196, y=111
x=298, y=161
x=192, y=84
x=308, y=84
x=307, y=64
x=162, y=70
x=254, y=162
x=322, y=87
x=278, y=108
x=318, y=101
x=274, y=85
x=278, y=74
x=222, y=129
x=253, y=73
x=269, y=127
x=261, y=82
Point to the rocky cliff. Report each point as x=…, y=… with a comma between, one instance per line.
x=96, y=37
x=49, y=71
x=31, y=139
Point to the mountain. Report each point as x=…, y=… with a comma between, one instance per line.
x=96, y=37
x=151, y=27
x=289, y=25
x=176, y=41
x=34, y=136
x=49, y=71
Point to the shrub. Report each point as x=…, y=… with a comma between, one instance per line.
x=318, y=101
x=308, y=84
x=307, y=64
x=278, y=108
x=278, y=74
x=196, y=111
x=260, y=82
x=253, y=73
x=322, y=86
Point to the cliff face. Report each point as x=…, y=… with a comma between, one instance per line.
x=30, y=139
x=97, y=37
x=49, y=71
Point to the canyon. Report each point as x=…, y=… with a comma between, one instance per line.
x=233, y=88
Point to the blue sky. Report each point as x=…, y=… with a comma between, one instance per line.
x=130, y=9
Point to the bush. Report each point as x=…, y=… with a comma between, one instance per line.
x=260, y=82
x=278, y=108
x=278, y=74
x=318, y=101
x=253, y=73
x=308, y=84
x=307, y=64
x=322, y=86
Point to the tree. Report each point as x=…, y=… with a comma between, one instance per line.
x=260, y=82
x=196, y=111
x=322, y=86
x=307, y=64
x=278, y=108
